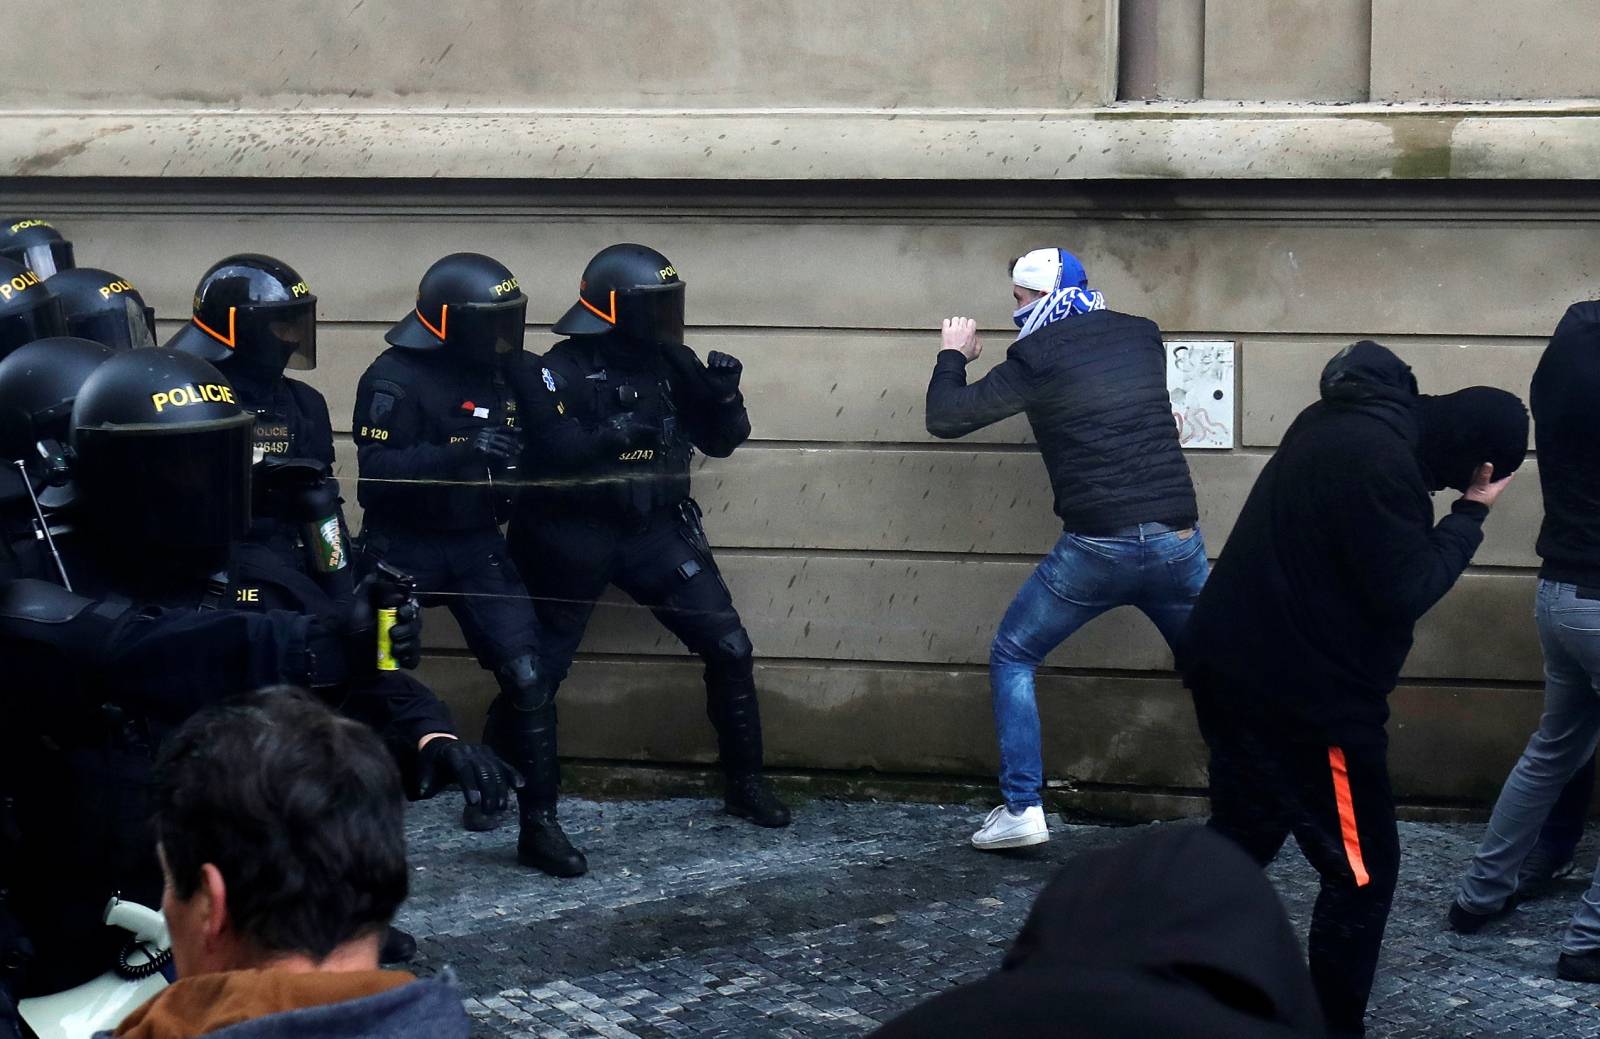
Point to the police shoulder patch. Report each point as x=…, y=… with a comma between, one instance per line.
x=549, y=379
x=382, y=406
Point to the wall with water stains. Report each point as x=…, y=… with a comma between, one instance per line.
x=831, y=179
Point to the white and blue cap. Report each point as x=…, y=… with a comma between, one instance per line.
x=1048, y=270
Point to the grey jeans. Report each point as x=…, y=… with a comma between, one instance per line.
x=1569, y=631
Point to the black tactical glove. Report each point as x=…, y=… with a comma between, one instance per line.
x=485, y=780
x=626, y=431
x=405, y=635
x=293, y=489
x=350, y=652
x=722, y=375
x=496, y=443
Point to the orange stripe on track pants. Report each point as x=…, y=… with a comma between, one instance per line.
x=1347, y=815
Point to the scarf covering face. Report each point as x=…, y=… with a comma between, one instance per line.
x=1058, y=274
x=1059, y=304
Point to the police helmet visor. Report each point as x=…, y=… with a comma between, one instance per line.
x=47, y=258
x=126, y=325
x=490, y=333
x=652, y=313
x=272, y=335
x=39, y=322
x=170, y=487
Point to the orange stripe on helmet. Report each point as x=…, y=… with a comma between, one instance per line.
x=1347, y=815
x=444, y=321
x=228, y=340
x=610, y=318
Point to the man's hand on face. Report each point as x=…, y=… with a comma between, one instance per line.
x=1485, y=488
x=961, y=334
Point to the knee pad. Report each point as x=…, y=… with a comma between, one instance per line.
x=732, y=649
x=524, y=686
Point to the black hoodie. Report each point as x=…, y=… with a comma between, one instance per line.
x=1565, y=389
x=1308, y=614
x=1174, y=934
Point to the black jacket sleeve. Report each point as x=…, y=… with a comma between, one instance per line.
x=401, y=710
x=716, y=427
x=160, y=663
x=955, y=409
x=314, y=436
x=1401, y=562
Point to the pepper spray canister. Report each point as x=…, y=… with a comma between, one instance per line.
x=391, y=590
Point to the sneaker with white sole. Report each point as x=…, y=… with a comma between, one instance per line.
x=1003, y=830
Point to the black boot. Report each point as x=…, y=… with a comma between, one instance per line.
x=751, y=797
x=519, y=682
x=522, y=729
x=543, y=845
x=736, y=715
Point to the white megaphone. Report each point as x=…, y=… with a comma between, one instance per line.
x=101, y=1004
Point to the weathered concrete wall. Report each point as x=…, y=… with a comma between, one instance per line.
x=1461, y=50
x=871, y=562
x=555, y=54
x=1303, y=50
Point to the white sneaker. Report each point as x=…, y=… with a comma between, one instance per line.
x=1004, y=830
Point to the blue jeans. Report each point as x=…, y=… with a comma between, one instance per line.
x=1569, y=632
x=1160, y=571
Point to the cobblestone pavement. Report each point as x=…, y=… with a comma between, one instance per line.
x=695, y=924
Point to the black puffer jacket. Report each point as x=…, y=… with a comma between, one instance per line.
x=1094, y=387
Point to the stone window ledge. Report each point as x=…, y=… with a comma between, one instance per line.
x=1130, y=141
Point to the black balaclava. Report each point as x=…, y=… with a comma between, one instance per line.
x=1464, y=429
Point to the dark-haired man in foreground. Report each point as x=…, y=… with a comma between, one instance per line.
x=280, y=827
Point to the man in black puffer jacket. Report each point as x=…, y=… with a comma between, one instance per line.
x=1300, y=634
x=1093, y=385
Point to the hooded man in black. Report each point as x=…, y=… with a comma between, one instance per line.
x=1301, y=632
x=1172, y=934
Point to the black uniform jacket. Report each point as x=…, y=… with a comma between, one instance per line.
x=415, y=413
x=579, y=385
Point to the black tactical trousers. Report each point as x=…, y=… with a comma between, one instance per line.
x=469, y=573
x=1338, y=804
x=665, y=564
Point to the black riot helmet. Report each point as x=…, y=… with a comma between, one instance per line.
x=163, y=453
x=36, y=245
x=469, y=305
x=39, y=382
x=252, y=314
x=631, y=290
x=28, y=310
x=101, y=306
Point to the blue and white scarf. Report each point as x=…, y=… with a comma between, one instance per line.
x=1062, y=303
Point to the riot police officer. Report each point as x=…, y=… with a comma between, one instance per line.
x=254, y=317
x=104, y=307
x=160, y=470
x=437, y=427
x=35, y=244
x=615, y=413
x=28, y=310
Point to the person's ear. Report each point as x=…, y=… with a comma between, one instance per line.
x=214, y=909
